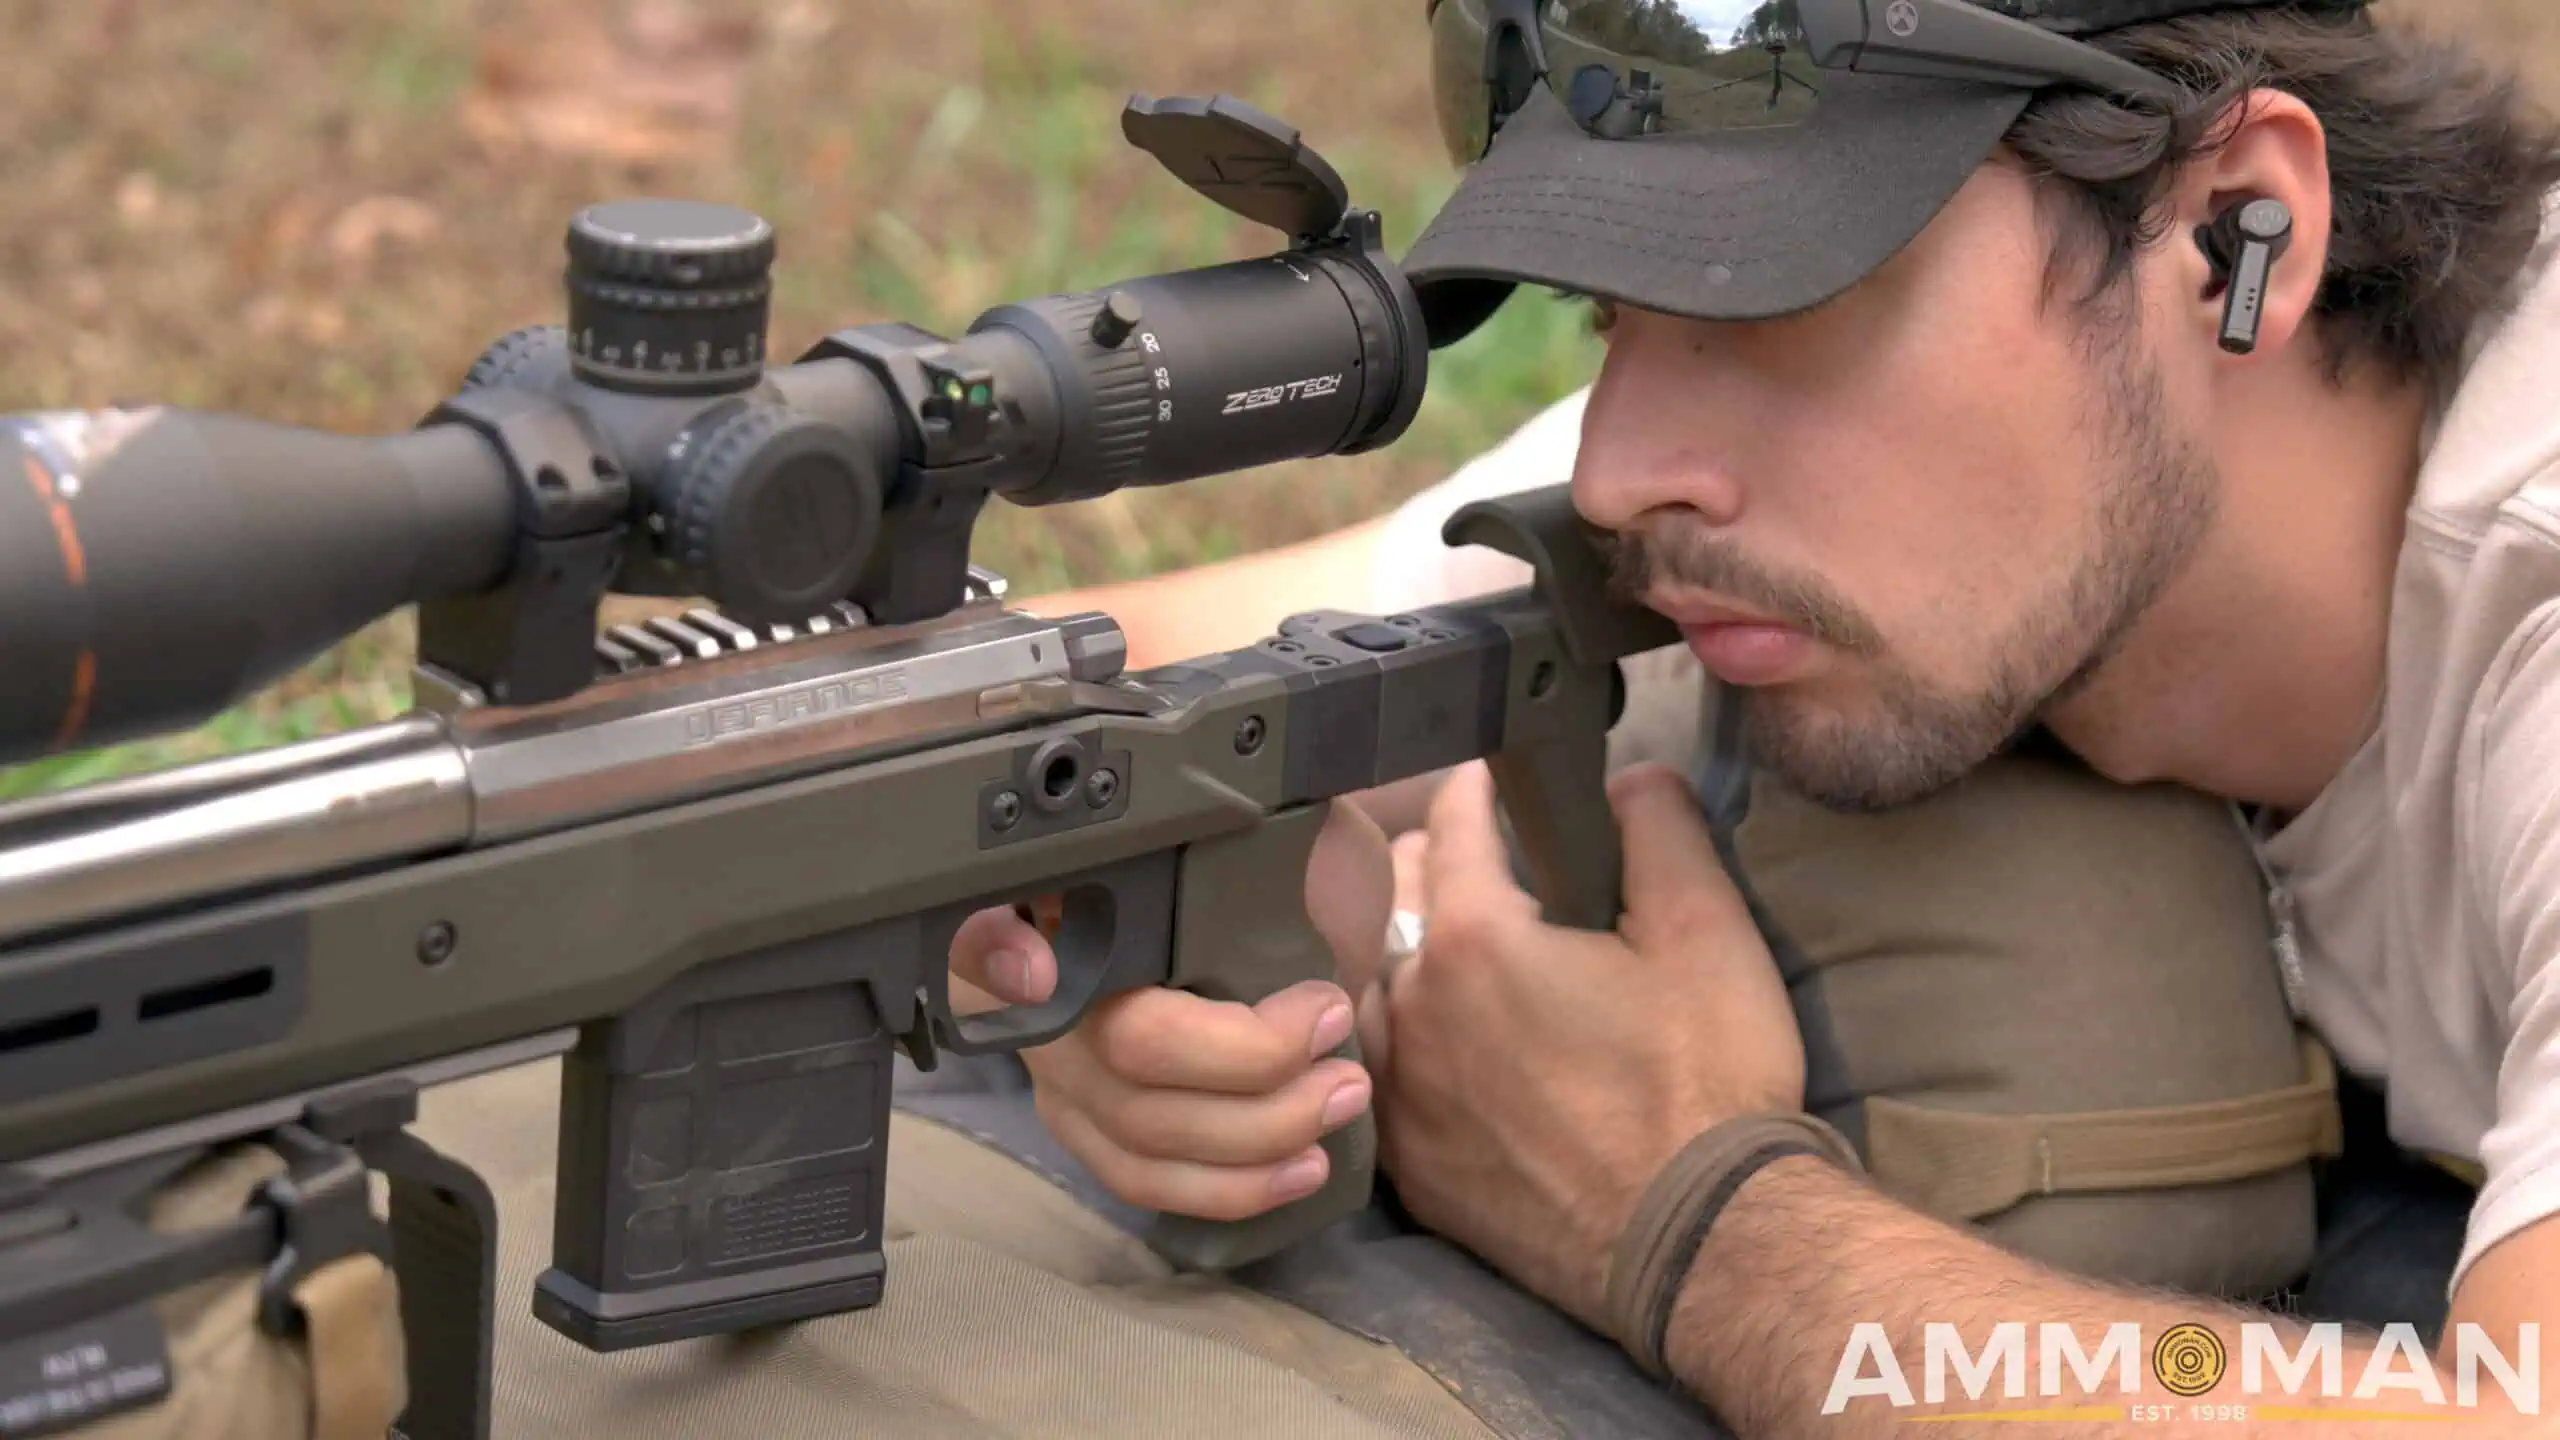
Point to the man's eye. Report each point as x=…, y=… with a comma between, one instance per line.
x=1599, y=314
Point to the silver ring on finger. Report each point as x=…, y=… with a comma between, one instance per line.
x=1405, y=930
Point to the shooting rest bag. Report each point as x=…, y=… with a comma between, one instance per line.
x=343, y=1378
x=2051, y=1010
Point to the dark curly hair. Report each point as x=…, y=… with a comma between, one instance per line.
x=2439, y=165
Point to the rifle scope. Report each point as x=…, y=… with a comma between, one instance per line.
x=158, y=566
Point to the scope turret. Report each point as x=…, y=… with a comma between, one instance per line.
x=668, y=297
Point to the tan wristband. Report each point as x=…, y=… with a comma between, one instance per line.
x=1654, y=1253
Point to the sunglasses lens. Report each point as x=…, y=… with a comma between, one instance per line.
x=1462, y=96
x=1624, y=68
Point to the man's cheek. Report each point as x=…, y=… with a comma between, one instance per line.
x=1939, y=628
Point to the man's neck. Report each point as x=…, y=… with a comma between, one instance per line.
x=2259, y=674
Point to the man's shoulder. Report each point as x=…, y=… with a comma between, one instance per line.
x=2493, y=448
x=2479, y=580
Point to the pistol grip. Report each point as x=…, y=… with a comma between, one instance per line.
x=1555, y=807
x=1241, y=932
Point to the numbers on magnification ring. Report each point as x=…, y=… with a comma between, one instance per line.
x=1164, y=377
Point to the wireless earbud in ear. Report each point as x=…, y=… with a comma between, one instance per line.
x=2244, y=243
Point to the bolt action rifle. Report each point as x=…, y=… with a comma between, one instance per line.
x=716, y=860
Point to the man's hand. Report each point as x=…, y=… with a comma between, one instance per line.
x=1193, y=1106
x=1533, y=1080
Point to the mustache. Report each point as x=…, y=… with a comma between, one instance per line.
x=1686, y=551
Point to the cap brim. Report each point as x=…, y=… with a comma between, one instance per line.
x=1740, y=225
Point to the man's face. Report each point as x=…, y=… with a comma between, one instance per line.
x=1948, y=495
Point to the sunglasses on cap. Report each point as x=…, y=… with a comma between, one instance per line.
x=1625, y=69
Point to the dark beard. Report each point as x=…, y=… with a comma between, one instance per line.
x=2155, y=508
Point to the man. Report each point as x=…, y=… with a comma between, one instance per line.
x=1931, y=415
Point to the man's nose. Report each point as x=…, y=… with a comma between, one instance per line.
x=1649, y=436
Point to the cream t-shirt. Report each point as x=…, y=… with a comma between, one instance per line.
x=2425, y=881
x=2427, y=876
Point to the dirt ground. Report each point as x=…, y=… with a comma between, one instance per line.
x=318, y=211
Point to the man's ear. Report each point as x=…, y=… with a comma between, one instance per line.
x=2270, y=146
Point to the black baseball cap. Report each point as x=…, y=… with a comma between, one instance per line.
x=1731, y=159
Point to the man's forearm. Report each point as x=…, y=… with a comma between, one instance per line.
x=1804, y=1255
x=1229, y=603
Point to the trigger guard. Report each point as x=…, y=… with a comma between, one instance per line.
x=1141, y=891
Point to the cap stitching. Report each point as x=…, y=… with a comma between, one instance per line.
x=1574, y=187
x=1489, y=225
x=1457, y=215
x=1652, y=212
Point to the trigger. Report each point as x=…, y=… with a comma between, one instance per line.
x=918, y=1042
x=1048, y=915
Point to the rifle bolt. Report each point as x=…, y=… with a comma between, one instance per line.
x=436, y=942
x=1101, y=788
x=1249, y=735
x=1005, y=810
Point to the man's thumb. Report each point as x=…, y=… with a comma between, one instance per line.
x=1674, y=879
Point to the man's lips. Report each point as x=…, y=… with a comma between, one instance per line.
x=1740, y=647
x=1689, y=609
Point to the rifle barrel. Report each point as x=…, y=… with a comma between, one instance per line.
x=290, y=813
